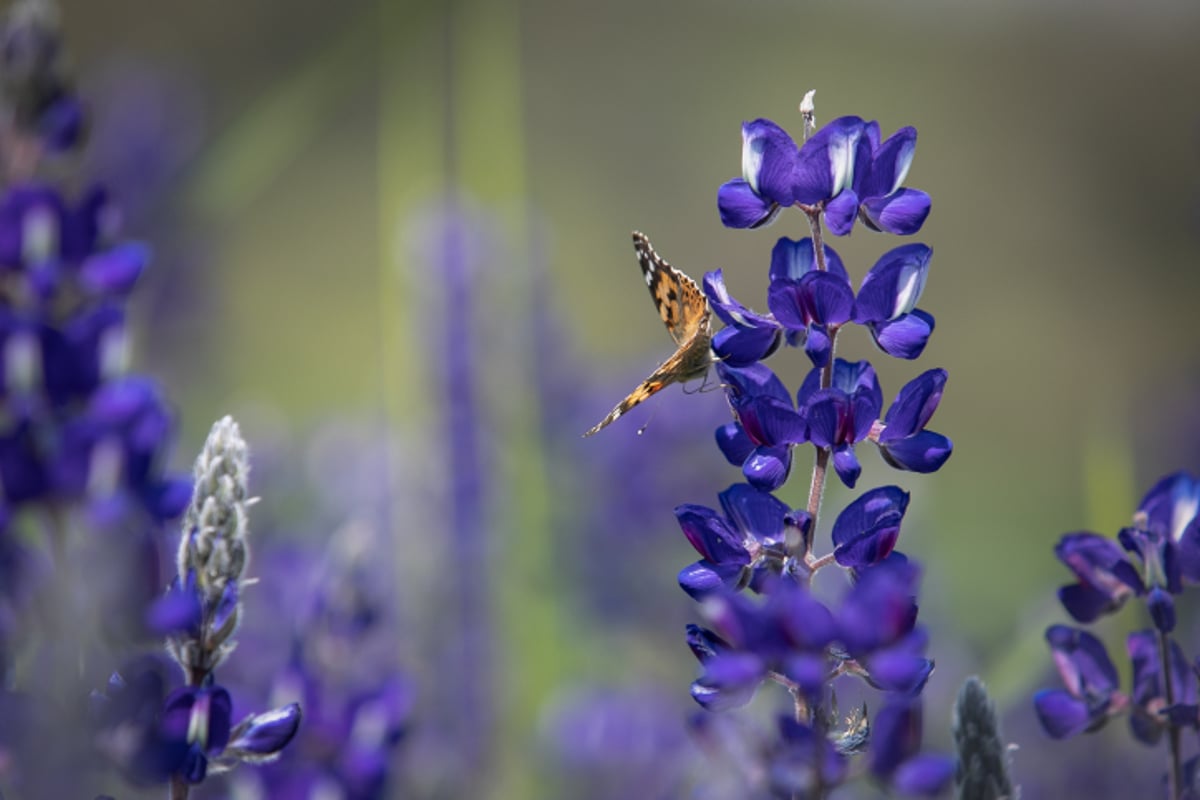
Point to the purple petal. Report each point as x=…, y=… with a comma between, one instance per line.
x=115, y=271
x=828, y=298
x=1061, y=714
x=845, y=463
x=880, y=609
x=818, y=346
x=895, y=736
x=1173, y=504
x=755, y=380
x=768, y=160
x=265, y=735
x=1100, y=564
x=1145, y=653
x=913, y=407
x=808, y=670
x=729, y=681
x=902, y=213
x=818, y=297
x=740, y=207
x=703, y=578
x=710, y=535
x=704, y=644
x=174, y=612
x=727, y=308
x=898, y=670
x=754, y=512
x=892, y=287
x=1162, y=609
x=168, y=499
x=826, y=163
x=924, y=453
x=1188, y=552
x=227, y=612
x=1082, y=662
x=1084, y=603
x=807, y=623
x=924, y=775
x=790, y=259
x=734, y=444
x=767, y=468
x=853, y=377
x=866, y=530
x=866, y=404
x=741, y=347
x=827, y=412
x=904, y=337
x=770, y=421
x=841, y=212
x=890, y=163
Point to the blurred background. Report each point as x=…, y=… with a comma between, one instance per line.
x=392, y=239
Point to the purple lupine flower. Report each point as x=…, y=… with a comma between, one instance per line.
x=786, y=634
x=324, y=602
x=766, y=427
x=877, y=623
x=1091, y=695
x=1150, y=709
x=345, y=744
x=803, y=761
x=1161, y=572
x=842, y=414
x=201, y=717
x=828, y=167
x=842, y=172
x=1172, y=508
x=807, y=301
x=737, y=548
x=895, y=751
x=211, y=562
x=903, y=441
x=747, y=336
x=1106, y=578
x=768, y=181
x=883, y=204
x=260, y=738
x=886, y=302
x=865, y=532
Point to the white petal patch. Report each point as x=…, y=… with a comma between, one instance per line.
x=908, y=291
x=752, y=158
x=1186, y=506
x=841, y=162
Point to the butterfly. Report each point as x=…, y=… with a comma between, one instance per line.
x=688, y=318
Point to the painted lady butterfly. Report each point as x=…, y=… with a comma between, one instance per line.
x=688, y=318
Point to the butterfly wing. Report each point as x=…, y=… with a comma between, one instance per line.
x=679, y=301
x=666, y=374
x=684, y=310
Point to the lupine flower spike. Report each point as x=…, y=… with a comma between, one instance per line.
x=1151, y=561
x=763, y=623
x=205, y=602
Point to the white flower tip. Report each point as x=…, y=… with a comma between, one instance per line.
x=807, y=106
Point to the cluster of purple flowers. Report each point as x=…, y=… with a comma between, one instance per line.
x=756, y=544
x=87, y=502
x=1151, y=560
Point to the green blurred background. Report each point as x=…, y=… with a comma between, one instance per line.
x=1058, y=140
